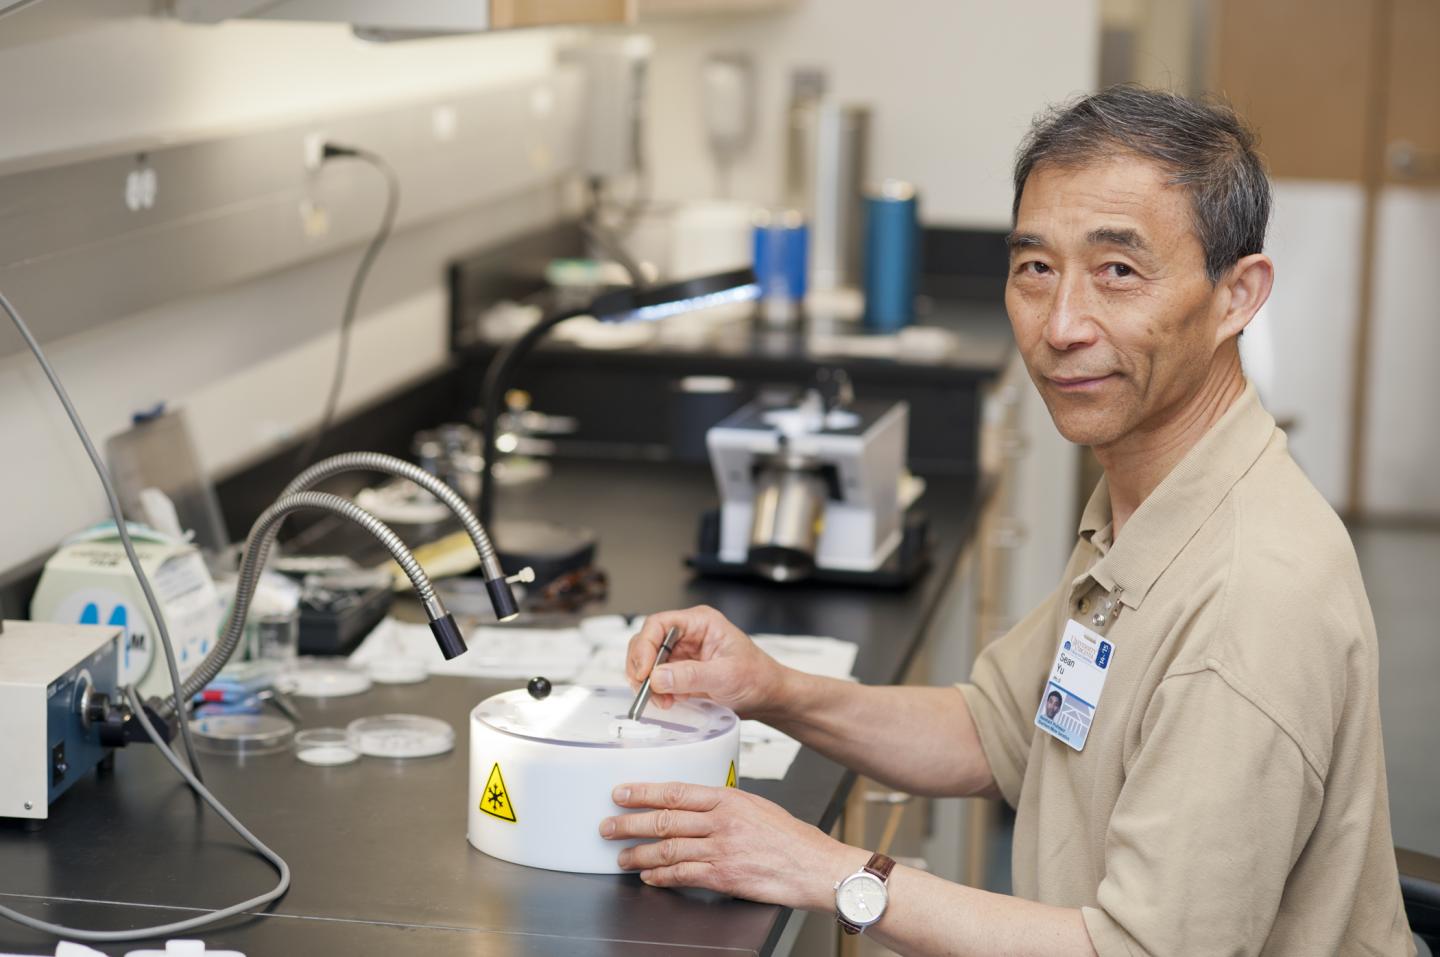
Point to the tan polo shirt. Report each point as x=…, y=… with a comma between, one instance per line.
x=1230, y=798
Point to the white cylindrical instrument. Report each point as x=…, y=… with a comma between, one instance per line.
x=542, y=770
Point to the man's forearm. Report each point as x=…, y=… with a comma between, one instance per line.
x=920, y=740
x=929, y=915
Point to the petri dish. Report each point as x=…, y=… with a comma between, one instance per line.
x=325, y=747
x=322, y=678
x=398, y=670
x=591, y=717
x=242, y=734
x=400, y=736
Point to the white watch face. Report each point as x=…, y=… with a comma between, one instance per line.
x=861, y=899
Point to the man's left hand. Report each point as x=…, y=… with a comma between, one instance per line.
x=728, y=840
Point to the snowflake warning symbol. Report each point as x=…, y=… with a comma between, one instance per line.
x=495, y=801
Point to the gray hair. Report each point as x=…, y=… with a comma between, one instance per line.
x=1205, y=147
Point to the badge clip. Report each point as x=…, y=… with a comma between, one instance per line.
x=1108, y=611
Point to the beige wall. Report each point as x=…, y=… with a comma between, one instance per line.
x=953, y=85
x=250, y=363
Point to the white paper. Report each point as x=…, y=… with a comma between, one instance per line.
x=595, y=655
x=605, y=667
x=767, y=760
x=396, y=639
x=829, y=657
x=558, y=654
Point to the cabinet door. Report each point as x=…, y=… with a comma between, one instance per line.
x=1401, y=445
x=673, y=8
x=1346, y=97
x=505, y=14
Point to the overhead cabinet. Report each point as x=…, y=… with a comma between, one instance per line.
x=414, y=16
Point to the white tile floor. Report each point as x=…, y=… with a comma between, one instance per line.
x=1402, y=576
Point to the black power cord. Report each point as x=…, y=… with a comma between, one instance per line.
x=331, y=151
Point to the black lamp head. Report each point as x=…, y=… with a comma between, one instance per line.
x=447, y=635
x=659, y=302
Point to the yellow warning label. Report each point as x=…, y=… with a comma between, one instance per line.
x=496, y=800
x=730, y=778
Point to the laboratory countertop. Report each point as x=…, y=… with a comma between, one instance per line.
x=974, y=342
x=378, y=848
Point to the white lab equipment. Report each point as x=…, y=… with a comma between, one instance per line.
x=612, y=120
x=50, y=676
x=806, y=488
x=727, y=82
x=542, y=770
x=88, y=582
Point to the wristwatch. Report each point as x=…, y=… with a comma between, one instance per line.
x=860, y=899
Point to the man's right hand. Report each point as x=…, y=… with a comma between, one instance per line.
x=711, y=658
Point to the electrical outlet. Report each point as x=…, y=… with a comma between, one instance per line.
x=142, y=185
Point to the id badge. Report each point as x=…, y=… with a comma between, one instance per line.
x=1077, y=679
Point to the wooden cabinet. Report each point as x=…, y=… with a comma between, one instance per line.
x=1412, y=94
x=1346, y=97
x=1327, y=83
x=508, y=14
x=651, y=9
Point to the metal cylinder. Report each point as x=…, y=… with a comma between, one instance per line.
x=892, y=255
x=827, y=144
x=787, y=521
x=452, y=452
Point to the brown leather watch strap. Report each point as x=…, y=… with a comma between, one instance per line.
x=880, y=866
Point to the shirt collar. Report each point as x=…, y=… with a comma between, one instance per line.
x=1172, y=514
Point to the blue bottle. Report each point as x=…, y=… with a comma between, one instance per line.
x=892, y=255
x=781, y=265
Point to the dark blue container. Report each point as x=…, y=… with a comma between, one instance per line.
x=892, y=256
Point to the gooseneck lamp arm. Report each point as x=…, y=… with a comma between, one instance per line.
x=257, y=549
x=622, y=305
x=498, y=586
x=497, y=376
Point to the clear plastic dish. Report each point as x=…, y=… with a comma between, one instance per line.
x=322, y=678
x=242, y=734
x=325, y=747
x=398, y=670
x=400, y=736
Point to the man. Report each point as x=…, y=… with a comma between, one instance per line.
x=1052, y=704
x=1221, y=775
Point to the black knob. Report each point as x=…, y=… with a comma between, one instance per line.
x=539, y=688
